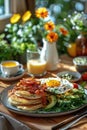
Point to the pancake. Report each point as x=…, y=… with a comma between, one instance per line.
x=13, y=102
x=26, y=94
x=30, y=107
x=13, y=99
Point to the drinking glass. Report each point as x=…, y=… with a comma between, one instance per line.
x=36, y=66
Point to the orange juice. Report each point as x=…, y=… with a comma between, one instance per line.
x=36, y=66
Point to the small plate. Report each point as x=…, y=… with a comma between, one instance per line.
x=18, y=75
x=70, y=75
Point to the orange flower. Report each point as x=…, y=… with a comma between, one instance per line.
x=41, y=12
x=15, y=18
x=49, y=26
x=63, y=31
x=52, y=37
x=26, y=16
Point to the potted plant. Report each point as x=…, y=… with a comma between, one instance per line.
x=5, y=51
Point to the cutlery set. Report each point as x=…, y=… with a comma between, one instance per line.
x=67, y=123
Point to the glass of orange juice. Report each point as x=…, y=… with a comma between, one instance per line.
x=35, y=65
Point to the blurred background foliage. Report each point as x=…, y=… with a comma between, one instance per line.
x=59, y=11
x=61, y=8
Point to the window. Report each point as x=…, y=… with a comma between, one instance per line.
x=1, y=7
x=4, y=13
x=4, y=9
x=7, y=8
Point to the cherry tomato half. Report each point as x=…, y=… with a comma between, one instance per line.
x=84, y=76
x=75, y=85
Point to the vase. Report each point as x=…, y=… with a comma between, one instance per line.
x=50, y=54
x=81, y=44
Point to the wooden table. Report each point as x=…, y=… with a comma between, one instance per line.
x=38, y=123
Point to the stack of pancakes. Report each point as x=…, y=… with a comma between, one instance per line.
x=21, y=96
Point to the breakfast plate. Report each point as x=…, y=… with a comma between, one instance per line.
x=18, y=75
x=4, y=100
x=55, y=110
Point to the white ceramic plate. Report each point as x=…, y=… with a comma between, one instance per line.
x=76, y=75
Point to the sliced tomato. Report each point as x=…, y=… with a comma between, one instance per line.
x=84, y=76
x=75, y=85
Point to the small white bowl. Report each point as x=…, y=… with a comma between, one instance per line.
x=80, y=63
